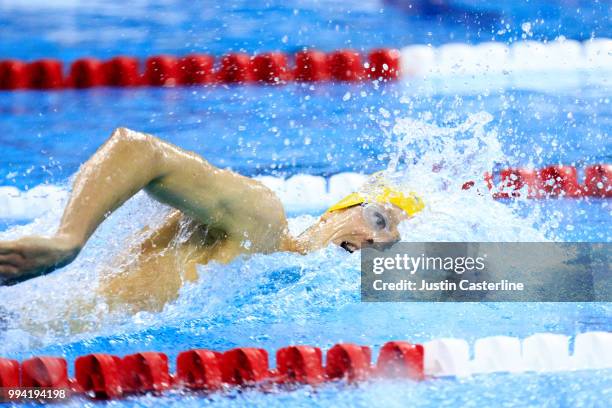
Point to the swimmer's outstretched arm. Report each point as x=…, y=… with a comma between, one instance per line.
x=127, y=163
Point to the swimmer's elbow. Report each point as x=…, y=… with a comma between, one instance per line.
x=131, y=143
x=123, y=135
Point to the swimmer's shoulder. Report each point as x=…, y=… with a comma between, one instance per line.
x=258, y=210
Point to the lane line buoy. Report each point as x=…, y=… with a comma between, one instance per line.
x=105, y=376
x=309, y=65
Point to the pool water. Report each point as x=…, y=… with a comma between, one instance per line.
x=316, y=129
x=324, y=129
x=39, y=28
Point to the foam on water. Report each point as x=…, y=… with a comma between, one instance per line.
x=283, y=287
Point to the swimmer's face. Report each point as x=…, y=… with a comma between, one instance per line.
x=370, y=222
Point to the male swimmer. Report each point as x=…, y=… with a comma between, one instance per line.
x=226, y=215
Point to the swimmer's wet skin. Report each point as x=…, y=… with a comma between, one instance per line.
x=229, y=215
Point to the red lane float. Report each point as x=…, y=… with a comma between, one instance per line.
x=346, y=65
x=105, y=376
x=300, y=364
x=162, y=70
x=401, y=359
x=233, y=68
x=146, y=372
x=598, y=181
x=45, y=74
x=244, y=366
x=554, y=181
x=86, y=73
x=558, y=181
x=45, y=372
x=122, y=72
x=100, y=375
x=384, y=64
x=196, y=69
x=199, y=370
x=514, y=180
x=270, y=68
x=348, y=361
x=13, y=75
x=9, y=373
x=311, y=66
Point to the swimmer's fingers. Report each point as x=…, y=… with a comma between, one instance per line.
x=12, y=263
x=8, y=270
x=8, y=247
x=5, y=248
x=9, y=275
x=10, y=253
x=11, y=259
x=30, y=257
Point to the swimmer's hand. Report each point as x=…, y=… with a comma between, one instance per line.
x=29, y=257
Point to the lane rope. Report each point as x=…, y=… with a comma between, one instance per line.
x=346, y=65
x=296, y=192
x=105, y=376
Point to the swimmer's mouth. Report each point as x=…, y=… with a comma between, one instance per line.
x=348, y=246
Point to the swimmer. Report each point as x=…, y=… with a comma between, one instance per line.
x=228, y=215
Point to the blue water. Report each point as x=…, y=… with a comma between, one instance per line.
x=275, y=300
x=39, y=28
x=317, y=129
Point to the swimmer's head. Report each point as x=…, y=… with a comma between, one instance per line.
x=369, y=216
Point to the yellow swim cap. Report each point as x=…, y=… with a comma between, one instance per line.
x=410, y=203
